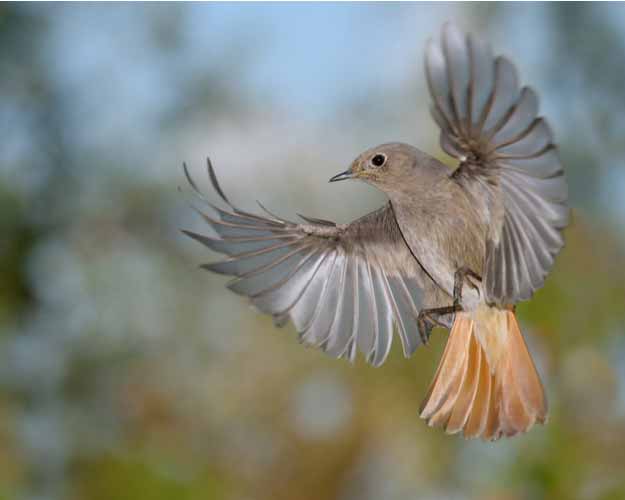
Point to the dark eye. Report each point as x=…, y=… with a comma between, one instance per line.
x=378, y=160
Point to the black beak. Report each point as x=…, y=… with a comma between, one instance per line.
x=348, y=174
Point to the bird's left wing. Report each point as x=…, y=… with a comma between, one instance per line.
x=508, y=160
x=343, y=286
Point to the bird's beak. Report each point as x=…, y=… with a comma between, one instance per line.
x=348, y=174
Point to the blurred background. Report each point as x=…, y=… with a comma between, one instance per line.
x=128, y=373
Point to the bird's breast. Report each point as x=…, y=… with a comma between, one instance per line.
x=444, y=239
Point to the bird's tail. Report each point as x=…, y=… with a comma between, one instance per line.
x=486, y=384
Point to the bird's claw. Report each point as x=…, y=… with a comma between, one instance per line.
x=425, y=324
x=460, y=277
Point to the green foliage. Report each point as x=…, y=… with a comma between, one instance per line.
x=129, y=478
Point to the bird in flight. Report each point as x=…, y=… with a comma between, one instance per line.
x=454, y=248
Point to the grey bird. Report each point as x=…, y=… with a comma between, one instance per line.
x=456, y=248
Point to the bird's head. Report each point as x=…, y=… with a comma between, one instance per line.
x=385, y=166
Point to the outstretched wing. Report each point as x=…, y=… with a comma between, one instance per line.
x=508, y=160
x=343, y=286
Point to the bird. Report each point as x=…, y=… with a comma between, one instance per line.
x=454, y=247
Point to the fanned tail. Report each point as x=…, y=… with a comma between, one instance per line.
x=486, y=384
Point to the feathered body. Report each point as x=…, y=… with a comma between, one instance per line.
x=428, y=200
x=459, y=247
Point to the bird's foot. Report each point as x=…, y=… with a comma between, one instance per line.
x=460, y=277
x=429, y=318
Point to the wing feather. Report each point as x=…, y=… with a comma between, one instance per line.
x=492, y=125
x=384, y=316
x=344, y=328
x=367, y=314
x=344, y=287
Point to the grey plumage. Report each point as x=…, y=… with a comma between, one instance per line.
x=507, y=156
x=499, y=214
x=343, y=286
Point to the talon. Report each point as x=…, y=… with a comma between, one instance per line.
x=424, y=325
x=475, y=276
x=460, y=277
x=473, y=285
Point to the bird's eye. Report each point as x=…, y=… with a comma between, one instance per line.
x=378, y=160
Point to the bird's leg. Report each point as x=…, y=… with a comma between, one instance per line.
x=459, y=279
x=428, y=319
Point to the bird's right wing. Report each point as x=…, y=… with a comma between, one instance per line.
x=343, y=286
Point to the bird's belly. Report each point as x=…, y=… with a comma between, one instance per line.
x=438, y=251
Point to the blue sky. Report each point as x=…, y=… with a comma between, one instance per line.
x=303, y=61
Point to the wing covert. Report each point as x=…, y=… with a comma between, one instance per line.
x=344, y=287
x=507, y=156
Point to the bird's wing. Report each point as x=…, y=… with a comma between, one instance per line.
x=343, y=286
x=508, y=160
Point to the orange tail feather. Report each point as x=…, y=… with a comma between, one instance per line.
x=486, y=384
